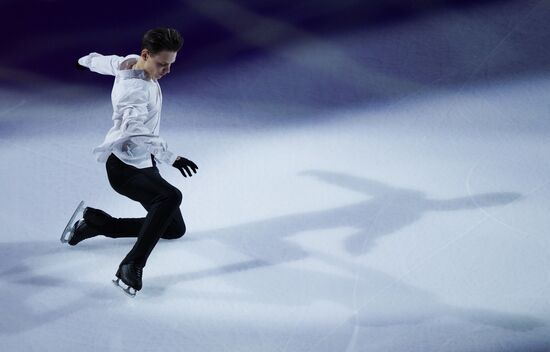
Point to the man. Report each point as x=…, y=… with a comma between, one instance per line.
x=130, y=151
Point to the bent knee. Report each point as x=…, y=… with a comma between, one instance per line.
x=175, y=234
x=169, y=236
x=175, y=196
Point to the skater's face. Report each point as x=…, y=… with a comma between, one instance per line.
x=158, y=65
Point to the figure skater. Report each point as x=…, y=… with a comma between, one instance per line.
x=131, y=150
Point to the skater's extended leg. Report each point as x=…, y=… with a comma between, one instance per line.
x=129, y=227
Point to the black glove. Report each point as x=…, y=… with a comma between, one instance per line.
x=79, y=66
x=186, y=165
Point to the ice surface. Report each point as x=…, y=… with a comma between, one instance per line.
x=381, y=190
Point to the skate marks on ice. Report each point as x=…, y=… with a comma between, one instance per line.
x=403, y=207
x=265, y=242
x=24, y=283
x=42, y=283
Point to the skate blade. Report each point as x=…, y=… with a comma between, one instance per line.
x=69, y=229
x=127, y=289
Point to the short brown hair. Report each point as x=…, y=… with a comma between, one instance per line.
x=158, y=39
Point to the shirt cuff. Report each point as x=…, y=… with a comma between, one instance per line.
x=166, y=156
x=87, y=60
x=171, y=158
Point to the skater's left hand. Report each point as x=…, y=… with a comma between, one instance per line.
x=185, y=165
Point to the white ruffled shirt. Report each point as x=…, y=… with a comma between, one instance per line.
x=137, y=104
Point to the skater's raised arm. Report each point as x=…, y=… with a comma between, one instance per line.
x=132, y=105
x=103, y=64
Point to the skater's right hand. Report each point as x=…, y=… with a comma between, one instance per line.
x=185, y=165
x=79, y=66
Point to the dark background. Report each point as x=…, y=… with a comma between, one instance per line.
x=45, y=37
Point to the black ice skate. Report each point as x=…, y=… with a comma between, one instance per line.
x=81, y=231
x=130, y=274
x=69, y=229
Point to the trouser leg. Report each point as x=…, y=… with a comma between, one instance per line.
x=147, y=187
x=113, y=227
x=164, y=203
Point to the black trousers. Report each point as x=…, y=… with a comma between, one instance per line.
x=156, y=195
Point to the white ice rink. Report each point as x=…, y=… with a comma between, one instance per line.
x=384, y=189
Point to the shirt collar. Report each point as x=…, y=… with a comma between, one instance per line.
x=130, y=73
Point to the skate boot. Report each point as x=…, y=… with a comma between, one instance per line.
x=96, y=217
x=81, y=231
x=130, y=274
